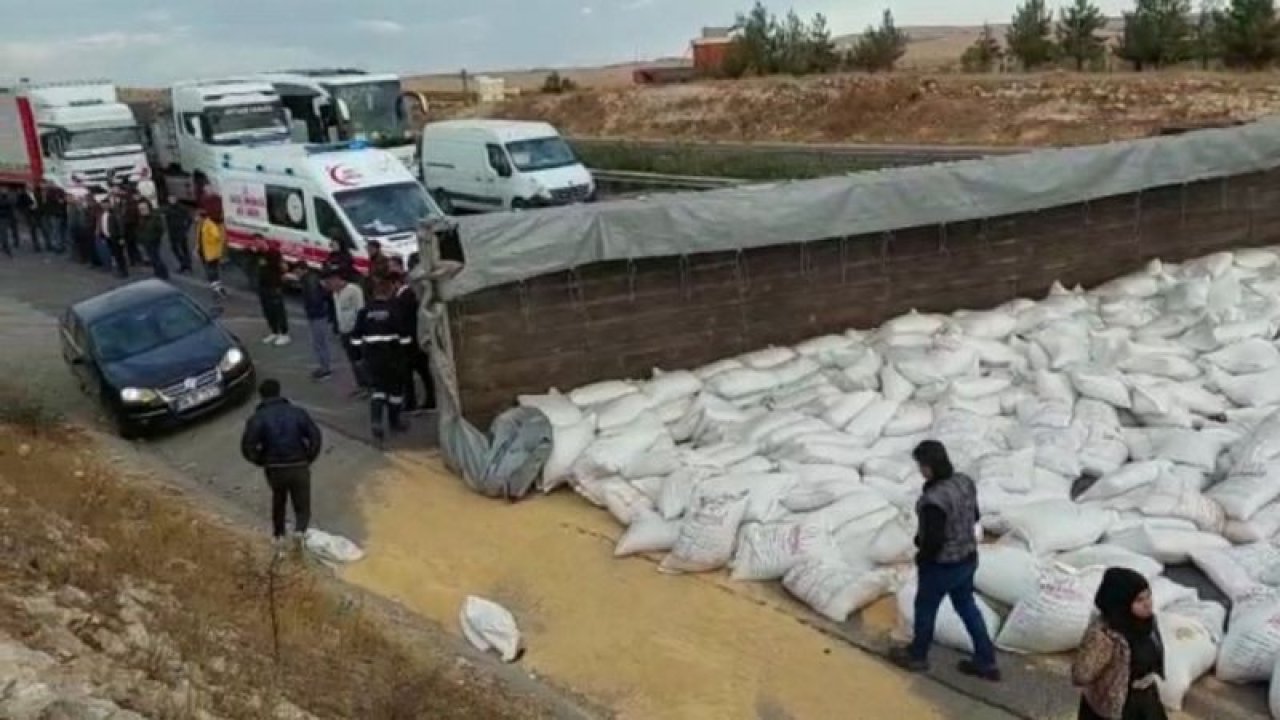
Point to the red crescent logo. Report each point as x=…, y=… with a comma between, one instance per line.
x=343, y=175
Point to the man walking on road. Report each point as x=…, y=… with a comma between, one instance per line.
x=151, y=235
x=177, y=223
x=317, y=305
x=30, y=206
x=946, y=561
x=283, y=440
x=348, y=301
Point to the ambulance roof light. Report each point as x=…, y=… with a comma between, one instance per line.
x=336, y=147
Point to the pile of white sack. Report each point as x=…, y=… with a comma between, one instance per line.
x=794, y=464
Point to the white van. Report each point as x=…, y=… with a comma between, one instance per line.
x=296, y=195
x=488, y=165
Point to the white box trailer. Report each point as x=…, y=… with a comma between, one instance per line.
x=69, y=135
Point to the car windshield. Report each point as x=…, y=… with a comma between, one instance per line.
x=387, y=209
x=144, y=328
x=231, y=125
x=541, y=154
x=374, y=109
x=94, y=142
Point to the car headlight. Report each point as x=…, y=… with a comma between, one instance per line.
x=232, y=360
x=139, y=396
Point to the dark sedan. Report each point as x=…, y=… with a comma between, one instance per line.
x=153, y=357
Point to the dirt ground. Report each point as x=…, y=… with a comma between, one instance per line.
x=118, y=596
x=908, y=108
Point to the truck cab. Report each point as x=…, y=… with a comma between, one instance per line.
x=198, y=121
x=300, y=197
x=335, y=105
x=71, y=135
x=495, y=165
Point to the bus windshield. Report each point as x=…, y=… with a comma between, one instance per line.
x=102, y=141
x=244, y=123
x=374, y=108
x=386, y=209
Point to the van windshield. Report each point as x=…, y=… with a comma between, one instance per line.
x=386, y=209
x=541, y=154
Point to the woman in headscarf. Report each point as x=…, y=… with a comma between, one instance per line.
x=1121, y=655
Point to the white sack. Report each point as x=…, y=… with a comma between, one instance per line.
x=1099, y=384
x=1252, y=645
x=623, y=501
x=648, y=533
x=1250, y=356
x=668, y=386
x=1006, y=573
x=708, y=533
x=810, y=496
x=490, y=627
x=1190, y=649
x=767, y=358
x=1237, y=571
x=1012, y=471
x=767, y=552
x=331, y=548
x=949, y=629
x=848, y=407
x=738, y=383
x=1252, y=390
x=1052, y=619
x=987, y=325
x=568, y=442
x=1105, y=556
x=869, y=424
x=911, y=418
x=1186, y=503
x=834, y=589
x=1128, y=478
x=718, y=367
x=1169, y=546
x=559, y=409
x=610, y=454
x=1273, y=695
x=1264, y=525
x=1058, y=525
x=601, y=392
x=894, y=386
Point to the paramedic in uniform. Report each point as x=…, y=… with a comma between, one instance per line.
x=381, y=337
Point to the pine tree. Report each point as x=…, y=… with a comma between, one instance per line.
x=755, y=50
x=1248, y=33
x=1028, y=34
x=793, y=45
x=1077, y=32
x=822, y=50
x=984, y=54
x=879, y=48
x=1205, y=47
x=1156, y=33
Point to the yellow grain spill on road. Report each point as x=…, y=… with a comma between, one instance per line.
x=616, y=631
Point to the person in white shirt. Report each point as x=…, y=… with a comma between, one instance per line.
x=348, y=301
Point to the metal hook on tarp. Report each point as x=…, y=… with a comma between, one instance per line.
x=686, y=281
x=631, y=280
x=741, y=271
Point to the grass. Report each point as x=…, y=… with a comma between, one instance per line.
x=701, y=162
x=261, y=630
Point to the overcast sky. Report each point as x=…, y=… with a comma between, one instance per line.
x=154, y=41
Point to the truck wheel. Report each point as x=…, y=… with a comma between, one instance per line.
x=520, y=204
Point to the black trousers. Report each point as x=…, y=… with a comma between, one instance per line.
x=386, y=401
x=419, y=364
x=119, y=256
x=274, y=311
x=290, y=485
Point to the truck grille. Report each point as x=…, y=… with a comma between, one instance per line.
x=178, y=389
x=104, y=175
x=571, y=194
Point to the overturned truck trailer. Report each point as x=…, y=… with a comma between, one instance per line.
x=564, y=297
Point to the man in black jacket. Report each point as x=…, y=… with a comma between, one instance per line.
x=283, y=440
x=381, y=336
x=32, y=210
x=416, y=361
x=946, y=562
x=318, y=306
x=177, y=221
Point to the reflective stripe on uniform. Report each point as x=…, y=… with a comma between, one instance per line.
x=379, y=339
x=396, y=400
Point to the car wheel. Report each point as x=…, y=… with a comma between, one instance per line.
x=520, y=204
x=125, y=428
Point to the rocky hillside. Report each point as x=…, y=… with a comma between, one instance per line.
x=120, y=600
x=1057, y=108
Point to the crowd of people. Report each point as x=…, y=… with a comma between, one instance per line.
x=373, y=315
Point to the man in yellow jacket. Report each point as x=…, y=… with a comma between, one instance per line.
x=211, y=244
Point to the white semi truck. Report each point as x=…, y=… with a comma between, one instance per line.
x=336, y=105
x=69, y=135
x=193, y=125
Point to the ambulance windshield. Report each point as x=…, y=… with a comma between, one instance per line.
x=386, y=209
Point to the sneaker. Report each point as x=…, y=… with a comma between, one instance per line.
x=379, y=436
x=972, y=669
x=279, y=547
x=903, y=658
x=270, y=339
x=282, y=340
x=321, y=374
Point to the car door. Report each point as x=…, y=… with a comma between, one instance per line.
x=76, y=351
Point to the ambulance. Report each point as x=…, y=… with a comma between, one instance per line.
x=299, y=196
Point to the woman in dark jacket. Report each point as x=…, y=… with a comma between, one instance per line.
x=270, y=282
x=1122, y=655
